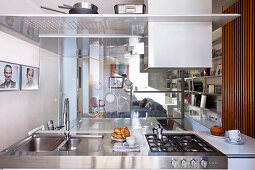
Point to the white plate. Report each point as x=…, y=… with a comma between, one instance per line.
x=239, y=142
x=119, y=140
x=130, y=147
x=219, y=137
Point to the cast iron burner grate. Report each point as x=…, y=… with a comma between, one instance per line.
x=177, y=143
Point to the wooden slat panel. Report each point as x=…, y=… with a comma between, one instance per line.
x=238, y=71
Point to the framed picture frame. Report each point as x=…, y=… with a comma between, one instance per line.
x=116, y=82
x=120, y=70
x=29, y=78
x=9, y=76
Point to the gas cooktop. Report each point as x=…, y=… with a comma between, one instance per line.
x=178, y=143
x=187, y=151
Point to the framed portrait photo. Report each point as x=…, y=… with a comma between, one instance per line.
x=116, y=82
x=29, y=78
x=9, y=76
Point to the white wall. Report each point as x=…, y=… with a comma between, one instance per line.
x=22, y=111
x=19, y=111
x=48, y=86
x=19, y=6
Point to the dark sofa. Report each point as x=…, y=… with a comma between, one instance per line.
x=153, y=109
x=140, y=108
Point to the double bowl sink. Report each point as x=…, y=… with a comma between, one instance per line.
x=46, y=143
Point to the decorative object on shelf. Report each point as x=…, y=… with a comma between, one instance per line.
x=168, y=84
x=202, y=72
x=218, y=89
x=203, y=101
x=213, y=53
x=218, y=53
x=29, y=78
x=207, y=72
x=193, y=99
x=193, y=73
x=9, y=76
x=218, y=70
x=120, y=70
x=198, y=86
x=116, y=82
x=211, y=89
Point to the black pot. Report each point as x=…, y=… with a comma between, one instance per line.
x=82, y=11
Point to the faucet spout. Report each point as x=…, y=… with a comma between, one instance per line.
x=66, y=118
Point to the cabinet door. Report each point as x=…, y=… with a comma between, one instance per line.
x=241, y=163
x=192, y=125
x=179, y=45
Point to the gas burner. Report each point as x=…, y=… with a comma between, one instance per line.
x=177, y=143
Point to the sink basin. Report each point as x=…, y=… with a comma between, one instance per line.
x=40, y=144
x=70, y=145
x=53, y=142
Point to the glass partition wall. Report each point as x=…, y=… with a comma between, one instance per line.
x=104, y=78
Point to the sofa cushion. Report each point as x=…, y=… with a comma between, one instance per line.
x=136, y=103
x=149, y=104
x=143, y=102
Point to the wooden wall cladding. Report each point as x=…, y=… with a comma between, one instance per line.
x=238, y=69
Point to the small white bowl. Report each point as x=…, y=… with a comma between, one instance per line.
x=130, y=140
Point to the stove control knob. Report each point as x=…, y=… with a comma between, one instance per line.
x=193, y=163
x=174, y=163
x=203, y=163
x=184, y=163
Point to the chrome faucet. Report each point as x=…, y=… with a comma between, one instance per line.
x=66, y=118
x=159, y=131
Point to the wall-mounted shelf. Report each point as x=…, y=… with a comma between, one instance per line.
x=217, y=58
x=170, y=91
x=202, y=77
x=106, y=24
x=197, y=92
x=205, y=109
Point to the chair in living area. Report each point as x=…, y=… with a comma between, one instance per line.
x=97, y=103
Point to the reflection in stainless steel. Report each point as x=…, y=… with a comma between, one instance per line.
x=41, y=144
x=70, y=145
x=96, y=153
x=17, y=24
x=66, y=118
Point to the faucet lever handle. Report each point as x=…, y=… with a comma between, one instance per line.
x=153, y=129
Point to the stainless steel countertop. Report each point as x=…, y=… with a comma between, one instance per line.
x=96, y=153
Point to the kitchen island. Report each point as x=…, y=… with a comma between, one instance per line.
x=95, y=152
x=92, y=153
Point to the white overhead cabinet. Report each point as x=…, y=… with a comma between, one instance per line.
x=179, y=44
